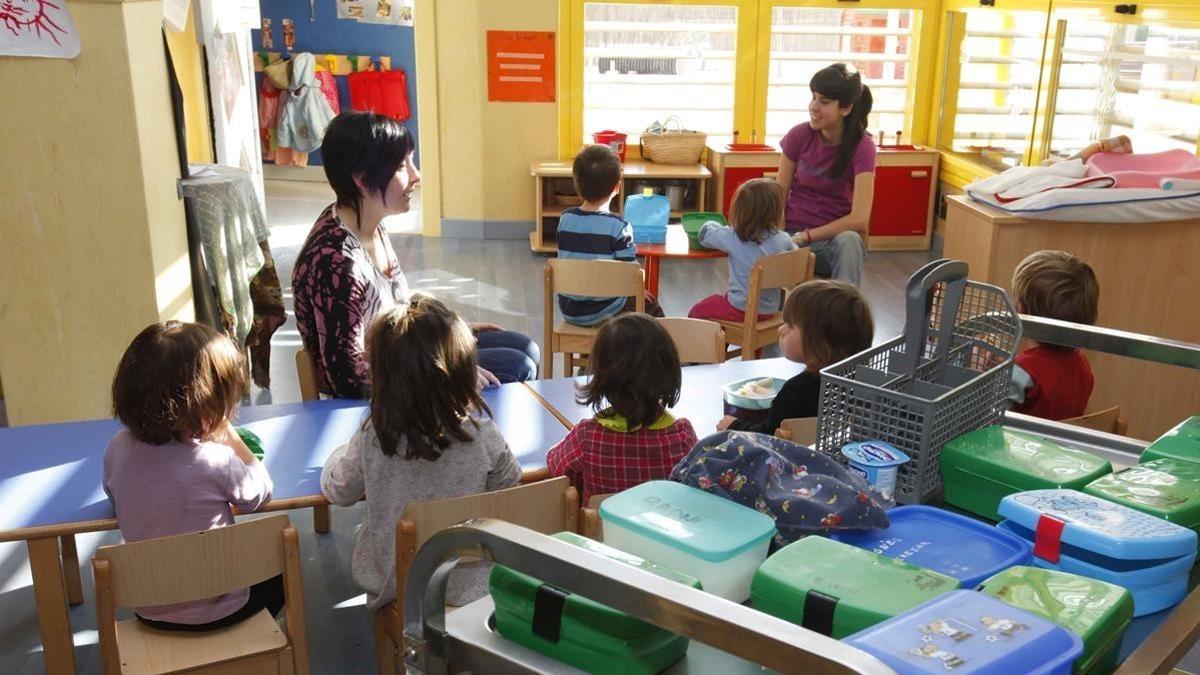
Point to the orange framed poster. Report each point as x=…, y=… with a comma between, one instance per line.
x=520, y=66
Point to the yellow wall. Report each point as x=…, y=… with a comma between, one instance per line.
x=477, y=152
x=188, y=58
x=93, y=247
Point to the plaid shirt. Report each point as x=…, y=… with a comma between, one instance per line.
x=600, y=460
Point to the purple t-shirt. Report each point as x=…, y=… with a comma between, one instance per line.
x=814, y=198
x=177, y=488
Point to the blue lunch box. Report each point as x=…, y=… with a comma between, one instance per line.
x=1093, y=537
x=967, y=632
x=945, y=542
x=648, y=214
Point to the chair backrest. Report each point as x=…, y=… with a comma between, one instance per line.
x=546, y=506
x=589, y=518
x=198, y=565
x=1108, y=420
x=604, y=278
x=306, y=372
x=698, y=340
x=785, y=270
x=802, y=430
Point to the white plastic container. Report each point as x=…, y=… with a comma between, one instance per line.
x=713, y=539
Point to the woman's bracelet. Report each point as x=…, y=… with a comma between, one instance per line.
x=808, y=237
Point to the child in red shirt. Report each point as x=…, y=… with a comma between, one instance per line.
x=1052, y=381
x=635, y=368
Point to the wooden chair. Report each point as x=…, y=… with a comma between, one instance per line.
x=698, y=340
x=802, y=430
x=589, y=518
x=1108, y=420
x=306, y=372
x=192, y=567
x=546, y=506
x=779, y=270
x=602, y=278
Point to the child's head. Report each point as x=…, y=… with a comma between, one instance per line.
x=422, y=358
x=635, y=367
x=825, y=321
x=757, y=208
x=597, y=172
x=1056, y=285
x=178, y=381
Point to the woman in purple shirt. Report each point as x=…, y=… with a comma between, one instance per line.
x=828, y=169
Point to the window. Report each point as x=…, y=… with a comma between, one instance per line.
x=998, y=64
x=878, y=42
x=1138, y=80
x=645, y=62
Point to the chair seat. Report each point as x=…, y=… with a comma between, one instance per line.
x=147, y=650
x=564, y=328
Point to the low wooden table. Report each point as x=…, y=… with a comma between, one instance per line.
x=676, y=246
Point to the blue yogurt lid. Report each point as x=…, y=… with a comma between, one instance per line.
x=874, y=453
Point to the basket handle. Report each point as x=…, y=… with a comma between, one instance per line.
x=678, y=125
x=919, y=304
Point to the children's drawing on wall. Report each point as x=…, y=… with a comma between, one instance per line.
x=394, y=12
x=268, y=39
x=289, y=34
x=350, y=9
x=37, y=28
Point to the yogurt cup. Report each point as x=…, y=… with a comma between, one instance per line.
x=877, y=462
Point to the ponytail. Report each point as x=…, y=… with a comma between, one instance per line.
x=844, y=85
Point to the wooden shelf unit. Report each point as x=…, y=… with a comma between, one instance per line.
x=547, y=174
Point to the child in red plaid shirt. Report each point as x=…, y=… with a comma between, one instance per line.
x=635, y=368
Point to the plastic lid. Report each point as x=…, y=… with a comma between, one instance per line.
x=874, y=453
x=945, y=542
x=969, y=632
x=680, y=516
x=630, y=559
x=1182, y=442
x=1094, y=610
x=1166, y=488
x=1015, y=457
x=1099, y=525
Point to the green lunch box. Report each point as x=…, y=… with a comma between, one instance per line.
x=692, y=222
x=1182, y=443
x=982, y=467
x=1164, y=488
x=581, y=632
x=1096, y=611
x=837, y=589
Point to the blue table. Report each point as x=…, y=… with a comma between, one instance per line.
x=50, y=483
x=700, y=400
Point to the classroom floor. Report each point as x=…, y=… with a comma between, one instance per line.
x=494, y=281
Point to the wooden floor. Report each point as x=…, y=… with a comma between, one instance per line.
x=495, y=281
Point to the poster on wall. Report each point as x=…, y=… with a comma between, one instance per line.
x=520, y=66
x=392, y=12
x=37, y=28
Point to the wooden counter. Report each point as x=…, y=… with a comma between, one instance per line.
x=1149, y=283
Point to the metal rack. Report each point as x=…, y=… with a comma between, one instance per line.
x=727, y=637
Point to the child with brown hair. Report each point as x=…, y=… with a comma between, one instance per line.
x=429, y=436
x=180, y=466
x=1048, y=380
x=635, y=369
x=756, y=214
x=824, y=322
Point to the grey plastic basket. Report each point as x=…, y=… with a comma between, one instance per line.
x=948, y=374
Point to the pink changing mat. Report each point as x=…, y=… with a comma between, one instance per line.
x=1144, y=170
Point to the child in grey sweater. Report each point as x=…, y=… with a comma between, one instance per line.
x=426, y=439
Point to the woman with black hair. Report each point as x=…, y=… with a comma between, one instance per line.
x=828, y=169
x=347, y=272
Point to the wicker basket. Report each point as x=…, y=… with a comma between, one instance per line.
x=673, y=146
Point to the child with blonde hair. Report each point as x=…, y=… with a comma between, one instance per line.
x=756, y=214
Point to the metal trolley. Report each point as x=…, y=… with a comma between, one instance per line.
x=728, y=638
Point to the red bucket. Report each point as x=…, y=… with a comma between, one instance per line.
x=613, y=139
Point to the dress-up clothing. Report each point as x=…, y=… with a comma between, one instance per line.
x=603, y=455
x=178, y=488
x=360, y=470
x=306, y=113
x=1051, y=382
x=338, y=291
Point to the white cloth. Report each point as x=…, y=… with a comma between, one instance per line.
x=306, y=112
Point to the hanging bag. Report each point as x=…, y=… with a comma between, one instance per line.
x=663, y=145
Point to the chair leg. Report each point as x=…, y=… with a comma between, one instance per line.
x=385, y=648
x=321, y=519
x=569, y=364
x=70, y=562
